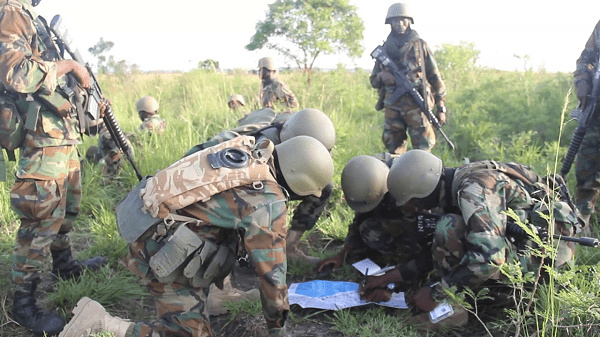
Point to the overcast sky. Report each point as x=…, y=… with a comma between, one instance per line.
x=176, y=35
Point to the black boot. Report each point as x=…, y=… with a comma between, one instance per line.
x=28, y=314
x=65, y=267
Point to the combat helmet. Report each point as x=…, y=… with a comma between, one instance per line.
x=147, y=104
x=396, y=10
x=364, y=182
x=236, y=97
x=310, y=122
x=305, y=164
x=267, y=62
x=415, y=174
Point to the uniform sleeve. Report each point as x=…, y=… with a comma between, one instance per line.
x=21, y=68
x=589, y=56
x=483, y=208
x=286, y=95
x=309, y=210
x=434, y=77
x=264, y=240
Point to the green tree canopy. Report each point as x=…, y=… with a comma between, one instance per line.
x=301, y=30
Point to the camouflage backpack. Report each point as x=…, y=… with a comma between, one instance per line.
x=12, y=129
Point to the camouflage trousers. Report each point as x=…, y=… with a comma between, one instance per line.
x=180, y=307
x=47, y=201
x=406, y=118
x=587, y=172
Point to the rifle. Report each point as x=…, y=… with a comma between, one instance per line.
x=404, y=86
x=585, y=116
x=517, y=232
x=61, y=37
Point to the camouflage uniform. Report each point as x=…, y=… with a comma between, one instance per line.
x=47, y=191
x=404, y=116
x=153, y=124
x=470, y=246
x=277, y=92
x=259, y=215
x=587, y=162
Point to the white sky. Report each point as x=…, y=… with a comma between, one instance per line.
x=159, y=35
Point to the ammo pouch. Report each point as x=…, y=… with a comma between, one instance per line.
x=198, y=259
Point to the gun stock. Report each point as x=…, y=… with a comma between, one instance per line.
x=116, y=133
x=404, y=86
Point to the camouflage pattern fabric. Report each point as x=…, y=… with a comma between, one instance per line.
x=47, y=201
x=112, y=156
x=276, y=94
x=260, y=216
x=153, y=124
x=470, y=250
x=587, y=162
x=47, y=191
x=404, y=115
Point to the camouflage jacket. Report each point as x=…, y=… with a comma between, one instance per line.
x=154, y=124
x=413, y=53
x=278, y=93
x=483, y=196
x=27, y=68
x=587, y=61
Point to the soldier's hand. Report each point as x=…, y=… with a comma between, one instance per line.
x=386, y=78
x=583, y=89
x=103, y=105
x=374, y=282
x=82, y=74
x=377, y=295
x=330, y=262
x=423, y=299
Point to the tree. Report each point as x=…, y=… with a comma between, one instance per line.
x=314, y=27
x=110, y=65
x=208, y=64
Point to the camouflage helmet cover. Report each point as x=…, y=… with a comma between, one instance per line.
x=398, y=10
x=267, y=62
x=237, y=97
x=147, y=104
x=305, y=164
x=364, y=182
x=310, y=122
x=415, y=174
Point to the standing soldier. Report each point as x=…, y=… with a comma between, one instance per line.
x=241, y=193
x=272, y=90
x=47, y=190
x=408, y=50
x=587, y=163
x=147, y=108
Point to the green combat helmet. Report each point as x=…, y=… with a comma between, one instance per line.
x=306, y=165
x=415, y=174
x=396, y=10
x=310, y=122
x=236, y=98
x=364, y=182
x=147, y=104
x=267, y=62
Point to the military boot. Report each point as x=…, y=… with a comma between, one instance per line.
x=293, y=251
x=217, y=297
x=65, y=267
x=90, y=317
x=28, y=314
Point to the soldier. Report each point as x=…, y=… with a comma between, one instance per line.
x=408, y=50
x=47, y=191
x=587, y=162
x=147, y=108
x=272, y=90
x=471, y=242
x=179, y=260
x=381, y=230
x=107, y=153
x=236, y=102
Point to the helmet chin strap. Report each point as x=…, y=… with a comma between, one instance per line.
x=35, y=2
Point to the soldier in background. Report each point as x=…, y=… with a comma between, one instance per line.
x=273, y=93
x=47, y=192
x=404, y=117
x=587, y=162
x=236, y=103
x=256, y=212
x=147, y=108
x=107, y=154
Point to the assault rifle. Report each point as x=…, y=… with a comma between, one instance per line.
x=518, y=233
x=404, y=86
x=586, y=114
x=61, y=38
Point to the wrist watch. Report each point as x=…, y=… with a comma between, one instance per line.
x=442, y=109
